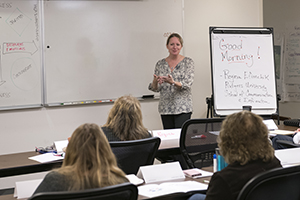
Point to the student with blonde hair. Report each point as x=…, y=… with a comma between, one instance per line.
x=89, y=163
x=125, y=121
x=244, y=144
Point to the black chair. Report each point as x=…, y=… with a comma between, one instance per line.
x=279, y=118
x=124, y=191
x=275, y=184
x=135, y=153
x=198, y=141
x=288, y=144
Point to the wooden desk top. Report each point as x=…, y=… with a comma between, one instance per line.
x=17, y=159
x=19, y=164
x=288, y=128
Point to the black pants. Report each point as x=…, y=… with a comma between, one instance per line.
x=175, y=121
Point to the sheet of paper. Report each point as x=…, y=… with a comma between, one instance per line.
x=134, y=179
x=59, y=145
x=270, y=124
x=215, y=132
x=281, y=132
x=25, y=189
x=46, y=157
x=154, y=190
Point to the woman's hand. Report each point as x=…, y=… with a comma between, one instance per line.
x=168, y=79
x=158, y=79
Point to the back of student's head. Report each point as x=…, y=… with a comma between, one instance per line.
x=125, y=119
x=244, y=137
x=89, y=160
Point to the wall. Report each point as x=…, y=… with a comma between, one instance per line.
x=199, y=16
x=22, y=130
x=276, y=14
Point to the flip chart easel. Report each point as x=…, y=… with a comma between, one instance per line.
x=243, y=70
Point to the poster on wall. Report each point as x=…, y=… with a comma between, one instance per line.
x=291, y=65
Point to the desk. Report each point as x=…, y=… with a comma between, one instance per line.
x=174, y=196
x=180, y=196
x=170, y=147
x=288, y=128
x=170, y=138
x=19, y=164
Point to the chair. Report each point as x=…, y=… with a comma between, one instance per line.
x=279, y=118
x=135, y=153
x=124, y=191
x=198, y=141
x=288, y=144
x=275, y=184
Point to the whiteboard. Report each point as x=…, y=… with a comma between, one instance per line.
x=98, y=50
x=20, y=55
x=243, y=70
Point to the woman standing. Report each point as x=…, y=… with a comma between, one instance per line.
x=173, y=78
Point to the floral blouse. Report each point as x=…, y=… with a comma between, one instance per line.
x=174, y=100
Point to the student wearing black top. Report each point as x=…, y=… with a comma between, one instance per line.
x=124, y=121
x=244, y=144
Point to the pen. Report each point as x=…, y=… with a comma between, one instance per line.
x=198, y=136
x=60, y=155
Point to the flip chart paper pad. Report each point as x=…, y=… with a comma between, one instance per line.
x=161, y=172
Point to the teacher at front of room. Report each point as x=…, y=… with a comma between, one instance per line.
x=173, y=78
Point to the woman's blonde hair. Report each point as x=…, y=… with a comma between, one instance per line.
x=89, y=160
x=243, y=138
x=125, y=119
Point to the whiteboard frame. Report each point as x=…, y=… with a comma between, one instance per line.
x=240, y=30
x=49, y=101
x=38, y=104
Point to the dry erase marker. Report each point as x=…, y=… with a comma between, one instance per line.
x=198, y=136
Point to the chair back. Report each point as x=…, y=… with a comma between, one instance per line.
x=275, y=184
x=124, y=191
x=198, y=141
x=135, y=153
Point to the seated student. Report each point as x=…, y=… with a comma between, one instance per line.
x=125, y=121
x=89, y=163
x=243, y=142
x=293, y=138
